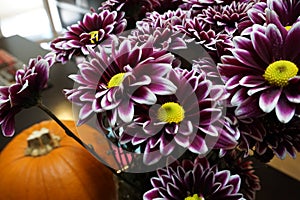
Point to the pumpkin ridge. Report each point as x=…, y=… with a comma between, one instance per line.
x=30, y=176
x=53, y=169
x=11, y=170
x=75, y=172
x=44, y=182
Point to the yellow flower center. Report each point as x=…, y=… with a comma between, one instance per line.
x=280, y=72
x=116, y=80
x=194, y=197
x=170, y=112
x=94, y=37
x=288, y=28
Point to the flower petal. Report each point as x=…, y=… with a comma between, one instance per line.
x=126, y=111
x=198, y=145
x=284, y=110
x=144, y=95
x=269, y=99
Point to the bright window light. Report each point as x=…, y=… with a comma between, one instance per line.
x=27, y=24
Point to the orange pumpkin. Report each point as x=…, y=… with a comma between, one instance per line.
x=57, y=169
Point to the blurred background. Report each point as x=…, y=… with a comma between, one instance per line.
x=41, y=20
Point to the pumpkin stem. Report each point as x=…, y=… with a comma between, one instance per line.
x=41, y=142
x=66, y=129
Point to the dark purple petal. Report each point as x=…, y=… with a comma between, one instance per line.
x=246, y=57
x=251, y=81
x=8, y=125
x=292, y=91
x=143, y=95
x=248, y=108
x=198, y=145
x=239, y=97
x=151, y=157
x=151, y=194
x=126, y=110
x=182, y=140
x=262, y=46
x=289, y=50
x=162, y=86
x=284, y=110
x=275, y=37
x=269, y=98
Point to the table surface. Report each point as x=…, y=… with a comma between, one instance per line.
x=275, y=184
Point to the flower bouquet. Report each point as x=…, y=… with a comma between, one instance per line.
x=187, y=92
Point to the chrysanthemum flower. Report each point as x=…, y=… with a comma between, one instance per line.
x=287, y=11
x=25, y=93
x=164, y=28
x=134, y=10
x=264, y=134
x=164, y=38
x=93, y=29
x=200, y=32
x=115, y=82
x=185, y=119
x=250, y=182
x=194, y=181
x=226, y=18
x=170, y=19
x=263, y=73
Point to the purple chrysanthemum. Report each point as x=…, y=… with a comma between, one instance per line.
x=164, y=28
x=164, y=38
x=93, y=29
x=169, y=19
x=114, y=83
x=265, y=135
x=226, y=18
x=285, y=13
x=250, y=183
x=263, y=75
x=194, y=181
x=24, y=93
x=184, y=119
x=199, y=32
x=134, y=9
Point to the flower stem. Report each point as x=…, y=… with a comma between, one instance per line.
x=66, y=129
x=72, y=135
